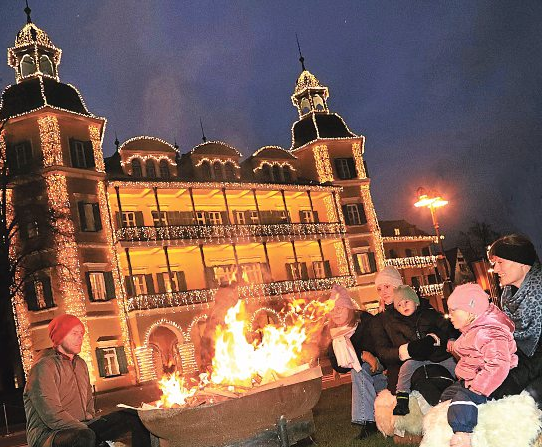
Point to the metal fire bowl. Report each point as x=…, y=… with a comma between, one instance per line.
x=236, y=419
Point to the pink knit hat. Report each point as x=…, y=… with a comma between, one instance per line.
x=470, y=298
x=341, y=297
x=389, y=275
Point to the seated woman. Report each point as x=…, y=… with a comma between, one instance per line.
x=352, y=350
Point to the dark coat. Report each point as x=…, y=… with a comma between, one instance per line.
x=424, y=320
x=386, y=352
x=361, y=339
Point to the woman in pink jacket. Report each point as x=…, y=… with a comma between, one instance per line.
x=486, y=351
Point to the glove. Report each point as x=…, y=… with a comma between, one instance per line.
x=422, y=349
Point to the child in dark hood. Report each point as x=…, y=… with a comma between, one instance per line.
x=420, y=334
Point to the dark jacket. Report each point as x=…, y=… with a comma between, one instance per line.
x=57, y=396
x=424, y=320
x=361, y=339
x=386, y=352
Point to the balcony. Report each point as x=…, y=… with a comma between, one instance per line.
x=218, y=232
x=412, y=262
x=431, y=289
x=263, y=292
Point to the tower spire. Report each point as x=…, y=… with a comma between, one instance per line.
x=301, y=58
x=117, y=142
x=203, y=138
x=27, y=10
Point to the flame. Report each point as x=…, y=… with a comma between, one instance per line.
x=174, y=392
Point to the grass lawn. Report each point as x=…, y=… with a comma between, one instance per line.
x=332, y=420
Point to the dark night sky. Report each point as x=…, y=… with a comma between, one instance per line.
x=448, y=93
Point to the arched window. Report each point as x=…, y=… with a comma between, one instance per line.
x=150, y=168
x=46, y=67
x=27, y=65
x=287, y=174
x=164, y=168
x=230, y=171
x=266, y=172
x=276, y=173
x=217, y=170
x=206, y=170
x=318, y=102
x=136, y=168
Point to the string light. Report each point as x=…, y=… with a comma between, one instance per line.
x=216, y=143
x=145, y=363
x=372, y=220
x=323, y=165
x=412, y=262
x=157, y=159
x=284, y=152
x=50, y=140
x=431, y=239
x=341, y=258
x=96, y=140
x=358, y=159
x=431, y=289
x=274, y=163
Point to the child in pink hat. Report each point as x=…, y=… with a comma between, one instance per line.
x=486, y=350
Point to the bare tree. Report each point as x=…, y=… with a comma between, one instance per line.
x=475, y=240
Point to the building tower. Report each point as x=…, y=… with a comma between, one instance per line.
x=328, y=151
x=53, y=147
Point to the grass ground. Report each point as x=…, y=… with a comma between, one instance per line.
x=332, y=421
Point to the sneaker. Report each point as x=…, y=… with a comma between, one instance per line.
x=367, y=430
x=401, y=408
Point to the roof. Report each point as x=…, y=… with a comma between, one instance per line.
x=30, y=34
x=215, y=148
x=37, y=92
x=305, y=80
x=319, y=125
x=147, y=144
x=273, y=152
x=387, y=228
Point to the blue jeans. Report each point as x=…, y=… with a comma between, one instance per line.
x=365, y=387
x=408, y=368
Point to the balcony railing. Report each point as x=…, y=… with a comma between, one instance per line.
x=176, y=232
x=431, y=289
x=412, y=262
x=249, y=292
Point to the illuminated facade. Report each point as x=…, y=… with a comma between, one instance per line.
x=145, y=237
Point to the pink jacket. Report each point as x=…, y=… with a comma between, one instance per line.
x=486, y=349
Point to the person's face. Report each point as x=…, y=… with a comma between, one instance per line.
x=406, y=307
x=385, y=292
x=460, y=318
x=510, y=273
x=71, y=344
x=341, y=315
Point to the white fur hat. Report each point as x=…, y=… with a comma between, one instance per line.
x=389, y=275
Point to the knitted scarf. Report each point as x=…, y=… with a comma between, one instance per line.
x=343, y=348
x=525, y=309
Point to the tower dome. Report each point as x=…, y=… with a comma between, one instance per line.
x=309, y=94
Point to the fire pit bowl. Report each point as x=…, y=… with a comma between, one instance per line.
x=237, y=419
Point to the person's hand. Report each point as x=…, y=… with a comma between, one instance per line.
x=450, y=346
x=369, y=358
x=403, y=352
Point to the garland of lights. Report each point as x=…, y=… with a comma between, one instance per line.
x=71, y=288
x=192, y=323
x=114, y=261
x=341, y=258
x=330, y=210
x=50, y=140
x=286, y=153
x=146, y=137
x=431, y=289
x=412, y=262
x=212, y=161
x=162, y=321
x=230, y=232
x=432, y=239
x=358, y=159
x=157, y=159
x=273, y=163
x=323, y=164
x=145, y=363
x=96, y=140
x=220, y=143
x=373, y=225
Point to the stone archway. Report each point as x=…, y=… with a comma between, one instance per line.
x=164, y=339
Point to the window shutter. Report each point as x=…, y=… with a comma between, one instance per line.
x=304, y=272
x=128, y=284
x=139, y=219
x=181, y=281
x=210, y=278
x=89, y=286
x=121, y=358
x=82, y=219
x=47, y=291
x=30, y=295
x=315, y=215
x=362, y=216
x=289, y=273
x=357, y=267
x=337, y=163
x=72, y=153
x=345, y=214
x=150, y=284
x=97, y=217
x=352, y=167
x=161, y=282
x=100, y=361
x=372, y=261
x=109, y=285
x=327, y=269
x=89, y=154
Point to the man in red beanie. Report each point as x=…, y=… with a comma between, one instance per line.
x=58, y=399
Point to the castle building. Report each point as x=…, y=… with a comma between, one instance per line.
x=137, y=244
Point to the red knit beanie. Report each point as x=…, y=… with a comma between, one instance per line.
x=470, y=298
x=61, y=325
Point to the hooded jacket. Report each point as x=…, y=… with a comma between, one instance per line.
x=57, y=396
x=486, y=349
